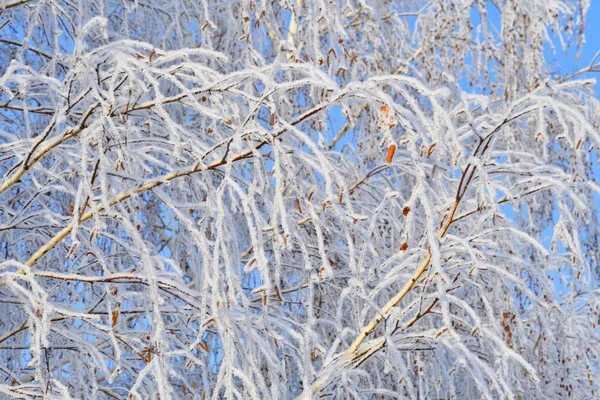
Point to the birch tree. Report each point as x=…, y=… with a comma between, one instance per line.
x=265, y=199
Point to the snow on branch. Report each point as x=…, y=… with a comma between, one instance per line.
x=296, y=199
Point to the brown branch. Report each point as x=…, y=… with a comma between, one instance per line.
x=407, y=287
x=22, y=328
x=15, y=3
x=32, y=49
x=36, y=110
x=152, y=183
x=465, y=179
x=32, y=158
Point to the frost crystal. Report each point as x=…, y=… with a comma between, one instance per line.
x=297, y=199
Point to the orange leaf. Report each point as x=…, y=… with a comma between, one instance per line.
x=385, y=109
x=113, y=320
x=278, y=294
x=208, y=322
x=204, y=346
x=405, y=211
x=430, y=150
x=391, y=151
x=146, y=355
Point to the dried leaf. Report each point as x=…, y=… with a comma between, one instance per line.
x=430, y=150
x=115, y=316
x=278, y=294
x=390, y=154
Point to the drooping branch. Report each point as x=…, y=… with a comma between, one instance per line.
x=465, y=180
x=155, y=182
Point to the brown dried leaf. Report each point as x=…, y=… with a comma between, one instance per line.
x=113, y=320
x=430, y=150
x=390, y=154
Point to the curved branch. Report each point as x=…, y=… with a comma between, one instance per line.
x=466, y=177
x=152, y=183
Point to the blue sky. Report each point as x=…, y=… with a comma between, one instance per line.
x=568, y=63
x=589, y=51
